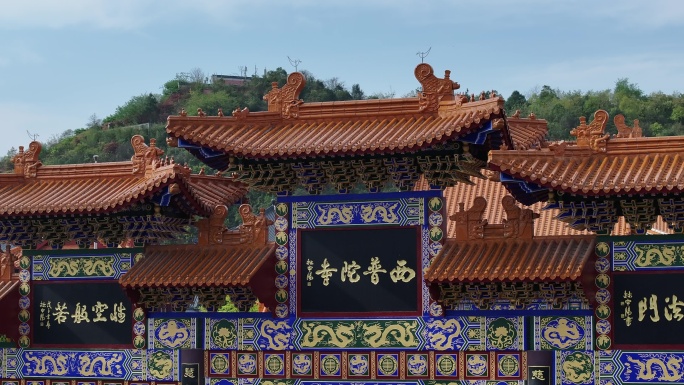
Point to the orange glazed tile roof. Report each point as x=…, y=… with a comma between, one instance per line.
x=538, y=259
x=545, y=225
x=191, y=265
x=97, y=188
x=334, y=128
x=527, y=132
x=294, y=129
x=598, y=164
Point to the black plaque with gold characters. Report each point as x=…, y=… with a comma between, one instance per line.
x=359, y=271
x=81, y=314
x=190, y=374
x=539, y=375
x=648, y=309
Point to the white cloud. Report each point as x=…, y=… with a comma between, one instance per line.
x=133, y=14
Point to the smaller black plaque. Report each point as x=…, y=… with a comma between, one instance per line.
x=190, y=374
x=539, y=375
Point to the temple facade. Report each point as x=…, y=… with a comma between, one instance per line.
x=434, y=240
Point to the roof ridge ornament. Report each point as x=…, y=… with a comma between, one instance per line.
x=434, y=89
x=592, y=135
x=286, y=100
x=625, y=131
x=145, y=158
x=26, y=163
x=519, y=222
x=253, y=230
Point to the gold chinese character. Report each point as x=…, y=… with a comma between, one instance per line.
x=80, y=314
x=538, y=375
x=402, y=272
x=349, y=271
x=627, y=315
x=98, y=309
x=60, y=313
x=674, y=306
x=119, y=313
x=189, y=373
x=326, y=272
x=374, y=269
x=309, y=273
x=651, y=303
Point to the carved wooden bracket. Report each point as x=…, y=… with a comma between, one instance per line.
x=286, y=100
x=253, y=231
x=519, y=222
x=26, y=163
x=434, y=89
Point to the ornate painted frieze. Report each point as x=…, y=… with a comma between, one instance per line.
x=65, y=267
x=563, y=333
x=429, y=334
x=162, y=365
x=504, y=333
x=575, y=367
x=102, y=364
x=604, y=302
x=616, y=366
x=24, y=301
x=172, y=333
x=221, y=333
x=401, y=212
x=360, y=334
x=389, y=367
x=648, y=253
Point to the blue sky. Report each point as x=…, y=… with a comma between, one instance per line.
x=62, y=61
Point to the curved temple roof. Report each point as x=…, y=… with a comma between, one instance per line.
x=83, y=200
x=600, y=178
x=597, y=164
x=311, y=144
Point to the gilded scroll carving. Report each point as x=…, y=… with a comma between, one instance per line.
x=286, y=100
x=26, y=162
x=592, y=135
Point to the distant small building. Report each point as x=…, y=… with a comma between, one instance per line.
x=229, y=80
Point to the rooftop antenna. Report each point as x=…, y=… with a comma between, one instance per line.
x=423, y=55
x=243, y=71
x=33, y=137
x=294, y=62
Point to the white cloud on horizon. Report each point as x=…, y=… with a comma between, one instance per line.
x=135, y=14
